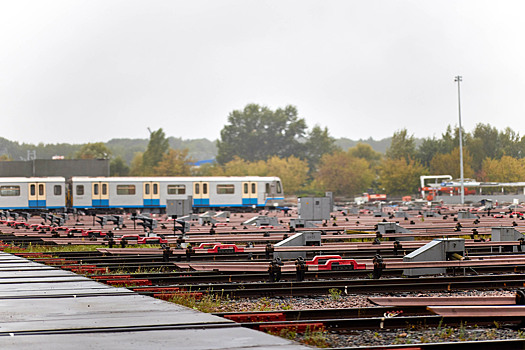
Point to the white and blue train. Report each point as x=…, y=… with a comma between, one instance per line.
x=140, y=192
x=33, y=192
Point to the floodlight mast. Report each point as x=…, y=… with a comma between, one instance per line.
x=459, y=79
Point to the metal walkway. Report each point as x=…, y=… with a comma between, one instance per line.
x=42, y=307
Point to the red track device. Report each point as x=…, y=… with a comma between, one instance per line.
x=96, y=233
x=225, y=248
x=334, y=263
x=220, y=248
x=144, y=240
x=153, y=240
x=321, y=259
x=75, y=230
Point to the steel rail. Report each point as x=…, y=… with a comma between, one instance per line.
x=292, y=289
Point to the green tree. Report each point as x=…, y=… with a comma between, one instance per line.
x=257, y=133
x=158, y=146
x=365, y=151
x=450, y=139
x=206, y=170
x=427, y=150
x=97, y=150
x=402, y=146
x=512, y=144
x=292, y=171
x=448, y=164
x=484, y=143
x=318, y=143
x=118, y=167
x=240, y=167
x=174, y=163
x=401, y=176
x=506, y=169
x=136, y=167
x=344, y=174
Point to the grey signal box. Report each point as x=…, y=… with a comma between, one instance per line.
x=179, y=207
x=314, y=208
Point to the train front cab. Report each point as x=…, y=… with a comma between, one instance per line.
x=273, y=194
x=201, y=194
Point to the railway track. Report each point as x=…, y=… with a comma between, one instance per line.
x=148, y=272
x=353, y=286
x=395, y=320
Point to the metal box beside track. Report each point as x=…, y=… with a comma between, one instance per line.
x=314, y=208
x=179, y=207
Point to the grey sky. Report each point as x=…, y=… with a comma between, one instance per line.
x=80, y=71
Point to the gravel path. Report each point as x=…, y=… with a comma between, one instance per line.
x=333, y=301
x=373, y=337
x=416, y=336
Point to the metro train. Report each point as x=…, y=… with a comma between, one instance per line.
x=146, y=193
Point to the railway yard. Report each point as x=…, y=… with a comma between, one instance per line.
x=358, y=280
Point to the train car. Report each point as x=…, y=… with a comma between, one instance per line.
x=153, y=192
x=29, y=193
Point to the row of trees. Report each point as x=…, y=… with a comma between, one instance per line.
x=259, y=141
x=259, y=134
x=158, y=159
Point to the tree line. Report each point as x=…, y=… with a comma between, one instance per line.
x=259, y=141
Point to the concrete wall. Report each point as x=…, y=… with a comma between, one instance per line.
x=16, y=168
x=48, y=167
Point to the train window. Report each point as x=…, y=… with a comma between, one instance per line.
x=197, y=188
x=146, y=189
x=225, y=189
x=267, y=188
x=279, y=189
x=104, y=189
x=245, y=188
x=57, y=190
x=80, y=190
x=95, y=189
x=155, y=188
x=204, y=188
x=40, y=189
x=32, y=190
x=253, y=188
x=125, y=189
x=177, y=189
x=9, y=191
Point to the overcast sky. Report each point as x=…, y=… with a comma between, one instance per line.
x=88, y=71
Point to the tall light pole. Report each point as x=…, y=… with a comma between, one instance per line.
x=458, y=79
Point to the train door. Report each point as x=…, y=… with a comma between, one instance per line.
x=249, y=193
x=37, y=195
x=201, y=194
x=151, y=194
x=100, y=194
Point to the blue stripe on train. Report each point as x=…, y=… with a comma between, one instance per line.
x=100, y=202
x=204, y=202
x=197, y=202
x=151, y=202
x=249, y=201
x=37, y=203
x=163, y=206
x=20, y=208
